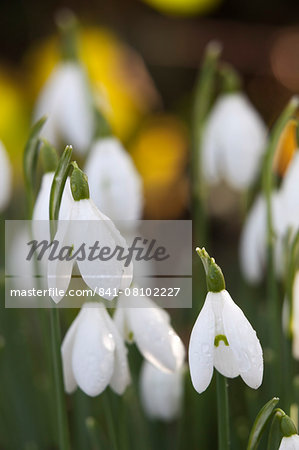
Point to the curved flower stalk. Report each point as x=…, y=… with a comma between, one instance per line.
x=106, y=276
x=140, y=320
x=234, y=141
x=115, y=184
x=5, y=179
x=253, y=238
x=93, y=353
x=222, y=337
x=66, y=100
x=161, y=392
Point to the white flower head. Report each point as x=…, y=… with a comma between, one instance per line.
x=93, y=353
x=84, y=225
x=141, y=320
x=161, y=392
x=233, y=143
x=253, y=238
x=290, y=442
x=115, y=184
x=223, y=338
x=5, y=179
x=65, y=99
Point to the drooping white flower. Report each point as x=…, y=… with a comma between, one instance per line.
x=141, y=320
x=93, y=353
x=289, y=197
x=290, y=442
x=115, y=185
x=253, y=238
x=93, y=226
x=5, y=178
x=161, y=392
x=222, y=337
x=233, y=142
x=65, y=99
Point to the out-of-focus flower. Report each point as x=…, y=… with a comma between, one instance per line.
x=98, y=274
x=14, y=119
x=93, y=353
x=183, y=7
x=286, y=148
x=66, y=100
x=160, y=152
x=290, y=442
x=5, y=178
x=222, y=337
x=161, y=392
x=233, y=143
x=121, y=85
x=253, y=238
x=141, y=320
x=115, y=185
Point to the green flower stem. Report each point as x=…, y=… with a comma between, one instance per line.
x=204, y=96
x=223, y=412
x=272, y=294
x=58, y=184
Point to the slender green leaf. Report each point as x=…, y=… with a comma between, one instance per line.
x=260, y=423
x=275, y=433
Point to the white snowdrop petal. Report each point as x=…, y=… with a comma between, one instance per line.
x=115, y=185
x=93, y=351
x=161, y=392
x=60, y=270
x=290, y=443
x=201, y=348
x=210, y=148
x=41, y=207
x=67, y=346
x=154, y=336
x=5, y=178
x=121, y=374
x=253, y=242
x=101, y=274
x=225, y=361
x=243, y=342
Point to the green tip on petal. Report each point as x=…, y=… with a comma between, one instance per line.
x=79, y=184
x=214, y=275
x=287, y=426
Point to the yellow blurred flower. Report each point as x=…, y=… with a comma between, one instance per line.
x=14, y=118
x=120, y=82
x=183, y=7
x=286, y=148
x=160, y=152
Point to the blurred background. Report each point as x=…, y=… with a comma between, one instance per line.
x=142, y=57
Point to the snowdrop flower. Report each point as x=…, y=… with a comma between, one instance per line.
x=93, y=353
x=114, y=182
x=253, y=238
x=141, y=320
x=66, y=100
x=5, y=179
x=233, y=142
x=161, y=392
x=289, y=197
x=110, y=275
x=222, y=337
